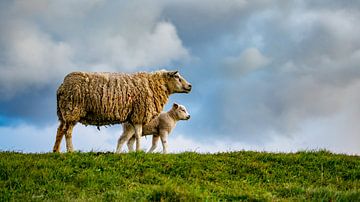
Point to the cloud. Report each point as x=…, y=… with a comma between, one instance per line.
x=27, y=138
x=31, y=58
x=202, y=23
x=41, y=42
x=266, y=74
x=249, y=60
x=311, y=75
x=155, y=48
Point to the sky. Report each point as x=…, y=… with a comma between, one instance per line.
x=277, y=76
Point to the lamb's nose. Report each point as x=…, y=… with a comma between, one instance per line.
x=189, y=85
x=188, y=117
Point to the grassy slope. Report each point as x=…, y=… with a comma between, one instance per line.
x=186, y=176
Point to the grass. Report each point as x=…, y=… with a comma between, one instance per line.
x=189, y=176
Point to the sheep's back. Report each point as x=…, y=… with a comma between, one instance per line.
x=149, y=97
x=110, y=98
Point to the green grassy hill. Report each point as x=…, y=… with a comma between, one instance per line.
x=187, y=176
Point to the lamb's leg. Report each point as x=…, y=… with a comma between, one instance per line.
x=130, y=144
x=59, y=136
x=125, y=136
x=163, y=136
x=155, y=139
x=68, y=135
x=138, y=134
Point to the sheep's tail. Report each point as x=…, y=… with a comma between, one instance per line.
x=58, y=93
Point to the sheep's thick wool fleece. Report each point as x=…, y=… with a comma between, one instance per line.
x=111, y=98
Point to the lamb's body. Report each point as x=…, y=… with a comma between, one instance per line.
x=112, y=98
x=159, y=127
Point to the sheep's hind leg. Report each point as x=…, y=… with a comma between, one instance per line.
x=130, y=144
x=154, y=143
x=125, y=136
x=68, y=135
x=59, y=135
x=138, y=134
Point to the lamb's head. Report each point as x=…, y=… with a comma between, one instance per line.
x=176, y=83
x=180, y=112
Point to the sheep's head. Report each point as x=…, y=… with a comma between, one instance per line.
x=176, y=83
x=180, y=112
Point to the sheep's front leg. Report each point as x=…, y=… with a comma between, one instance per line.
x=125, y=136
x=163, y=136
x=138, y=134
x=155, y=139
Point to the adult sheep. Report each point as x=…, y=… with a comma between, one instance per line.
x=99, y=99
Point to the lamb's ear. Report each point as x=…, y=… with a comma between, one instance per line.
x=173, y=73
x=175, y=105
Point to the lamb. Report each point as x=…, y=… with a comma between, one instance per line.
x=99, y=99
x=160, y=127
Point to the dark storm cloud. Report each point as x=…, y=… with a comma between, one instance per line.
x=37, y=107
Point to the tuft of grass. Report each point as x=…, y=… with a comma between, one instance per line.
x=189, y=176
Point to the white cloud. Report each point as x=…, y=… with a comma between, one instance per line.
x=27, y=138
x=32, y=58
x=306, y=140
x=42, y=42
x=312, y=76
x=296, y=80
x=249, y=60
x=154, y=48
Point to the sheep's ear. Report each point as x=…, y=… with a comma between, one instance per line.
x=173, y=73
x=175, y=105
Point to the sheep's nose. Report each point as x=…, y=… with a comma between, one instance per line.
x=188, y=117
x=187, y=88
